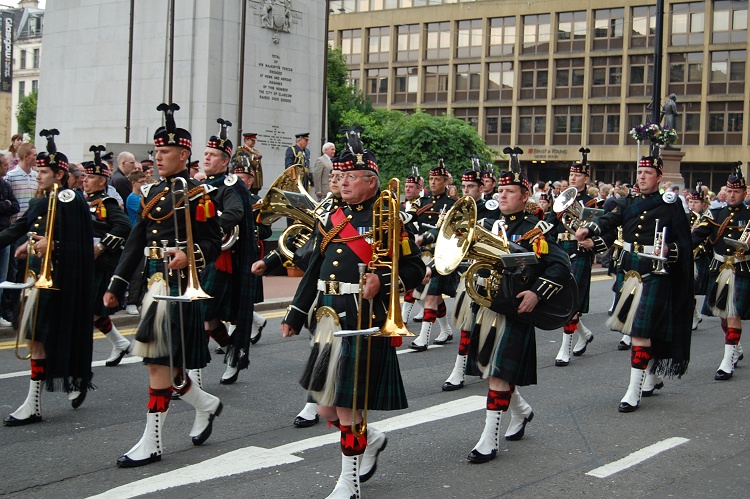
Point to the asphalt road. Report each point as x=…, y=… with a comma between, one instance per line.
x=699, y=427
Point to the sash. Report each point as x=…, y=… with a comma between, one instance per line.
x=357, y=244
x=642, y=205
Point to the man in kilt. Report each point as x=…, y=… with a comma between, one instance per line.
x=581, y=256
x=413, y=307
x=160, y=235
x=698, y=209
x=111, y=227
x=652, y=302
x=332, y=283
x=503, y=348
x=427, y=216
x=56, y=322
x=728, y=295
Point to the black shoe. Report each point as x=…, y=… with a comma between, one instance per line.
x=561, y=363
x=623, y=346
x=519, y=434
x=418, y=320
x=301, y=422
x=625, y=407
x=583, y=350
x=648, y=393
x=76, y=402
x=256, y=338
x=114, y=362
x=450, y=387
x=722, y=376
x=126, y=462
x=417, y=347
x=231, y=380
x=11, y=421
x=478, y=458
x=207, y=432
x=219, y=351
x=443, y=342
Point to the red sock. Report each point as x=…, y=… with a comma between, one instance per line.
x=463, y=345
x=103, y=324
x=639, y=357
x=499, y=401
x=352, y=445
x=429, y=315
x=158, y=400
x=336, y=423
x=409, y=296
x=571, y=327
x=732, y=336
x=38, y=368
x=442, y=310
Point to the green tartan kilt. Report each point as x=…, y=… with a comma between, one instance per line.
x=45, y=301
x=443, y=284
x=701, y=274
x=197, y=355
x=218, y=284
x=741, y=292
x=653, y=315
x=101, y=282
x=580, y=266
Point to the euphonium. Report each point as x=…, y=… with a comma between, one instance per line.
x=572, y=211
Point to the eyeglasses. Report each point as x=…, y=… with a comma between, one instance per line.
x=352, y=177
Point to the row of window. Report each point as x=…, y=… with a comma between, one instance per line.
x=346, y=6
x=23, y=59
x=607, y=125
x=532, y=78
x=500, y=36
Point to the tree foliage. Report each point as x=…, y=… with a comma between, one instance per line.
x=399, y=140
x=341, y=94
x=27, y=114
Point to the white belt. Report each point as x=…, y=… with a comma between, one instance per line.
x=566, y=236
x=337, y=288
x=156, y=252
x=731, y=259
x=641, y=249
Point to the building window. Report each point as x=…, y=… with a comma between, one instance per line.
x=534, y=76
x=606, y=76
x=355, y=78
x=497, y=125
x=408, y=42
x=686, y=73
x=641, y=75
x=502, y=36
x=688, y=20
x=637, y=115
x=467, y=82
x=571, y=31
x=688, y=123
x=436, y=84
x=22, y=60
x=728, y=72
x=469, y=115
x=724, y=123
x=21, y=90
x=351, y=45
x=536, y=34
x=438, y=40
x=34, y=85
x=608, y=28
x=438, y=111
x=729, y=22
x=379, y=46
x=604, y=125
x=568, y=125
x=36, y=58
x=331, y=39
x=532, y=125
x=500, y=81
x=643, y=27
x=569, y=76
x=469, y=38
x=377, y=85
x=406, y=85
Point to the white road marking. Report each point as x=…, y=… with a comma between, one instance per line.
x=637, y=457
x=409, y=350
x=254, y=458
x=97, y=363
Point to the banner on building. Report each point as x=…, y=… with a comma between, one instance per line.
x=6, y=72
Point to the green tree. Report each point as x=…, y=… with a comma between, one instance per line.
x=342, y=96
x=27, y=114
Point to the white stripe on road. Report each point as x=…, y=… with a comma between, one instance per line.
x=97, y=363
x=409, y=350
x=637, y=457
x=254, y=458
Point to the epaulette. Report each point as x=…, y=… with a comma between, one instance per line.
x=230, y=179
x=200, y=191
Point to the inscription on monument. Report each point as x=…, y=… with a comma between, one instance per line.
x=274, y=138
x=276, y=81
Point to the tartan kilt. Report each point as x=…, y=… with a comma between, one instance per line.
x=580, y=266
x=515, y=356
x=44, y=302
x=653, y=315
x=101, y=282
x=701, y=274
x=218, y=284
x=197, y=355
x=741, y=292
x=443, y=284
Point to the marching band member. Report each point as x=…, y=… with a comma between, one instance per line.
x=255, y=161
x=581, y=259
x=489, y=182
x=111, y=227
x=699, y=208
x=413, y=306
x=503, y=349
x=427, y=218
x=56, y=322
x=161, y=228
x=332, y=283
x=651, y=299
x=729, y=271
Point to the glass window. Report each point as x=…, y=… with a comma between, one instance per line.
x=568, y=125
x=435, y=84
x=467, y=82
x=534, y=75
x=643, y=26
x=36, y=58
x=569, y=77
x=351, y=45
x=727, y=72
x=22, y=60
x=532, y=125
x=406, y=84
x=571, y=31
x=407, y=42
x=500, y=81
x=377, y=85
x=725, y=123
x=438, y=40
x=536, y=34
x=498, y=125
x=21, y=90
x=502, y=36
x=604, y=124
x=729, y=21
x=379, y=46
x=469, y=38
x=641, y=75
x=687, y=23
x=608, y=28
x=606, y=76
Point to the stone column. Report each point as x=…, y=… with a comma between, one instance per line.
x=672, y=159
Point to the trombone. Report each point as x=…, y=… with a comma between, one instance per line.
x=193, y=290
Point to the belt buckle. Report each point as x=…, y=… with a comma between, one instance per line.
x=155, y=253
x=636, y=248
x=333, y=288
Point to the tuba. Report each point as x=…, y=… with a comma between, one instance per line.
x=573, y=214
x=503, y=269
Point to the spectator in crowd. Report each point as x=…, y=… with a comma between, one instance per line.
x=133, y=201
x=119, y=180
x=15, y=142
x=8, y=207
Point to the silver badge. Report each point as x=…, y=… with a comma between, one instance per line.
x=491, y=204
x=669, y=197
x=230, y=179
x=66, y=196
